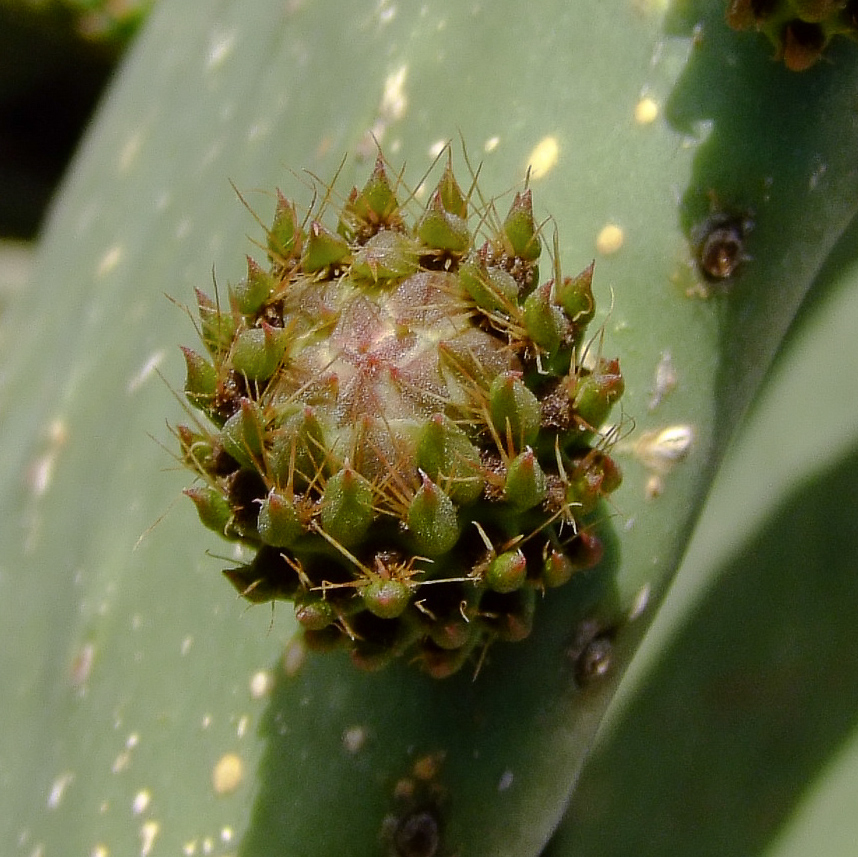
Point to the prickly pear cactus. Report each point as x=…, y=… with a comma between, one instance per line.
x=155, y=711
x=405, y=423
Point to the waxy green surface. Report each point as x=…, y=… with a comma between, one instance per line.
x=130, y=670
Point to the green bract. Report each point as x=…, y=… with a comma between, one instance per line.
x=402, y=421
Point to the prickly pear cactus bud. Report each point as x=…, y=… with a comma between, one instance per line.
x=403, y=422
x=800, y=30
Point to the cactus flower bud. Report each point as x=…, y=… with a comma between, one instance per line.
x=596, y=393
x=242, y=435
x=324, y=249
x=314, y=613
x=438, y=229
x=525, y=485
x=386, y=599
x=279, y=522
x=575, y=295
x=371, y=209
x=515, y=410
x=200, y=381
x=259, y=351
x=444, y=452
x=557, y=569
x=507, y=572
x=520, y=228
x=346, y=506
x=492, y=289
x=452, y=198
x=284, y=237
x=214, y=510
x=386, y=256
x=545, y=322
x=593, y=477
x=217, y=327
x=251, y=292
x=432, y=520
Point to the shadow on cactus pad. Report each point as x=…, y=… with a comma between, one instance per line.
x=394, y=764
x=755, y=695
x=772, y=189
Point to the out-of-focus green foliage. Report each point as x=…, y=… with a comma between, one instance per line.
x=55, y=59
x=107, y=22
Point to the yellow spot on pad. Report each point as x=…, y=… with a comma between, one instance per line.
x=427, y=767
x=148, y=833
x=129, y=151
x=124, y=758
x=260, y=684
x=354, y=739
x=654, y=487
x=42, y=469
x=146, y=371
x=666, y=380
x=640, y=603
x=386, y=13
x=609, y=239
x=221, y=46
x=227, y=774
x=82, y=665
x=294, y=656
x=394, y=101
x=650, y=7
x=109, y=260
x=544, y=157
x=141, y=801
x=661, y=450
x=58, y=789
x=404, y=789
x=646, y=111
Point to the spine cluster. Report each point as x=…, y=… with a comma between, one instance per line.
x=402, y=419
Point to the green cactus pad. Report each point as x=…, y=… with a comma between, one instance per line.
x=382, y=409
